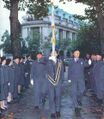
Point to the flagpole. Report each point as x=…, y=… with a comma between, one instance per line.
x=53, y=39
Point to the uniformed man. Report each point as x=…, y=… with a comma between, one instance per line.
x=55, y=75
x=0, y=88
x=98, y=76
x=38, y=74
x=22, y=75
x=16, y=67
x=87, y=74
x=4, y=83
x=76, y=75
x=27, y=71
x=91, y=76
x=9, y=64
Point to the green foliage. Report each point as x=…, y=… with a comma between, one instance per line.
x=95, y=15
x=33, y=42
x=38, y=8
x=7, y=4
x=47, y=45
x=6, y=42
x=91, y=12
x=64, y=44
x=22, y=4
x=88, y=40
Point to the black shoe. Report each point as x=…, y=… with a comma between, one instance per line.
x=2, y=110
x=58, y=114
x=53, y=115
x=9, y=103
x=16, y=100
x=36, y=107
x=77, y=111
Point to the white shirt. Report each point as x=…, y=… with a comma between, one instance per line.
x=76, y=59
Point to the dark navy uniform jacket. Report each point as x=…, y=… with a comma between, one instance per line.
x=76, y=73
x=38, y=70
x=98, y=77
x=4, y=81
x=38, y=74
x=54, y=91
x=52, y=69
x=0, y=82
x=11, y=78
x=76, y=69
x=17, y=73
x=22, y=74
x=28, y=67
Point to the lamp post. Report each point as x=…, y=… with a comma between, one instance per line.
x=53, y=39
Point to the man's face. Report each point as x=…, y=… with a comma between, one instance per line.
x=93, y=57
x=98, y=57
x=76, y=54
x=17, y=60
x=4, y=62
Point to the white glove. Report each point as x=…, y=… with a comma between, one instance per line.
x=69, y=81
x=8, y=84
x=53, y=58
x=32, y=82
x=89, y=62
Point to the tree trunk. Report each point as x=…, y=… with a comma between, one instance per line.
x=14, y=28
x=101, y=24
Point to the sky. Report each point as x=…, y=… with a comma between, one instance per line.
x=70, y=7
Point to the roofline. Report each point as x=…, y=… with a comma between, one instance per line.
x=41, y=22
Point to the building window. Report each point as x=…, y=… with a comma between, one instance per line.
x=73, y=36
x=60, y=34
x=67, y=35
x=34, y=31
x=71, y=22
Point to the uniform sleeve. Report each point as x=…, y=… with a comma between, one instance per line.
x=69, y=69
x=2, y=76
x=33, y=73
x=62, y=71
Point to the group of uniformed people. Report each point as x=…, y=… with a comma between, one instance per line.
x=95, y=77
x=86, y=75
x=47, y=75
x=14, y=78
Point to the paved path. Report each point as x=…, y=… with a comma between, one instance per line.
x=25, y=108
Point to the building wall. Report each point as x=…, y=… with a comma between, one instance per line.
x=66, y=26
